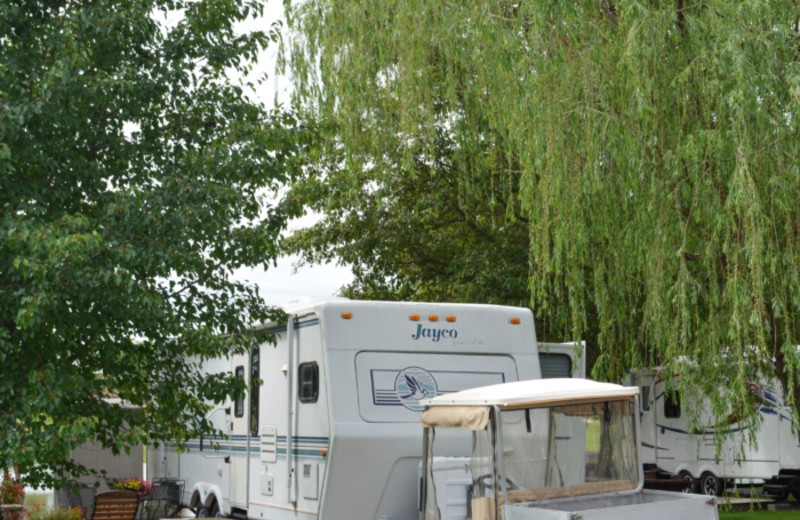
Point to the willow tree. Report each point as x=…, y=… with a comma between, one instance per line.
x=656, y=146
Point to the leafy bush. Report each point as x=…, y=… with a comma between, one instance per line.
x=57, y=513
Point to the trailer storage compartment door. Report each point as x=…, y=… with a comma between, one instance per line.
x=391, y=384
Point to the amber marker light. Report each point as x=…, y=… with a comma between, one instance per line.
x=323, y=452
x=451, y=319
x=347, y=315
x=433, y=317
x=414, y=317
x=515, y=321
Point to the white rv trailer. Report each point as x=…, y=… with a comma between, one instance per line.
x=673, y=444
x=551, y=449
x=334, y=430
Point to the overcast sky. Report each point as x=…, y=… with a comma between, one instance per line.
x=280, y=284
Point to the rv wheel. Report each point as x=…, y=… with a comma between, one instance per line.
x=689, y=480
x=711, y=485
x=795, y=489
x=782, y=495
x=208, y=512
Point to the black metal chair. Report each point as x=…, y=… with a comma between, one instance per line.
x=165, y=502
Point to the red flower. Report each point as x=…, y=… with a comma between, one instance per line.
x=11, y=490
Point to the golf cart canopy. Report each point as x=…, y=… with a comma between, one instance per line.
x=534, y=394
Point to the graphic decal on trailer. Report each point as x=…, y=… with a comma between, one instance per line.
x=414, y=384
x=408, y=386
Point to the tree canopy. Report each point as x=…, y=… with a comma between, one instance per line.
x=134, y=177
x=654, y=146
x=409, y=233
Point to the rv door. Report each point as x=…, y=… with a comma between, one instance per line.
x=240, y=434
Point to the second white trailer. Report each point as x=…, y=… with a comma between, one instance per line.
x=677, y=443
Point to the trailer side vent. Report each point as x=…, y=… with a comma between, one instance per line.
x=269, y=444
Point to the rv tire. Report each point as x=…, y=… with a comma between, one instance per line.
x=687, y=477
x=209, y=512
x=795, y=489
x=711, y=485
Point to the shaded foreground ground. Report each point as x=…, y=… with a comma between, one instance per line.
x=45, y=499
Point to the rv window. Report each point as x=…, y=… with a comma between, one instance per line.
x=308, y=382
x=644, y=399
x=672, y=404
x=555, y=365
x=238, y=407
x=255, y=383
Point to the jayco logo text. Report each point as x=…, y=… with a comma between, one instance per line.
x=434, y=334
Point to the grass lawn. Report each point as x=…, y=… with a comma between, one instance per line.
x=35, y=499
x=760, y=515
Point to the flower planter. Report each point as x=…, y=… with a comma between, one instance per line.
x=12, y=512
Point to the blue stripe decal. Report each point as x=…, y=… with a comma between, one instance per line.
x=302, y=446
x=766, y=410
x=302, y=325
x=698, y=432
x=311, y=440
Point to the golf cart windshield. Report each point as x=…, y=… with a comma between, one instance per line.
x=574, y=447
x=538, y=453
